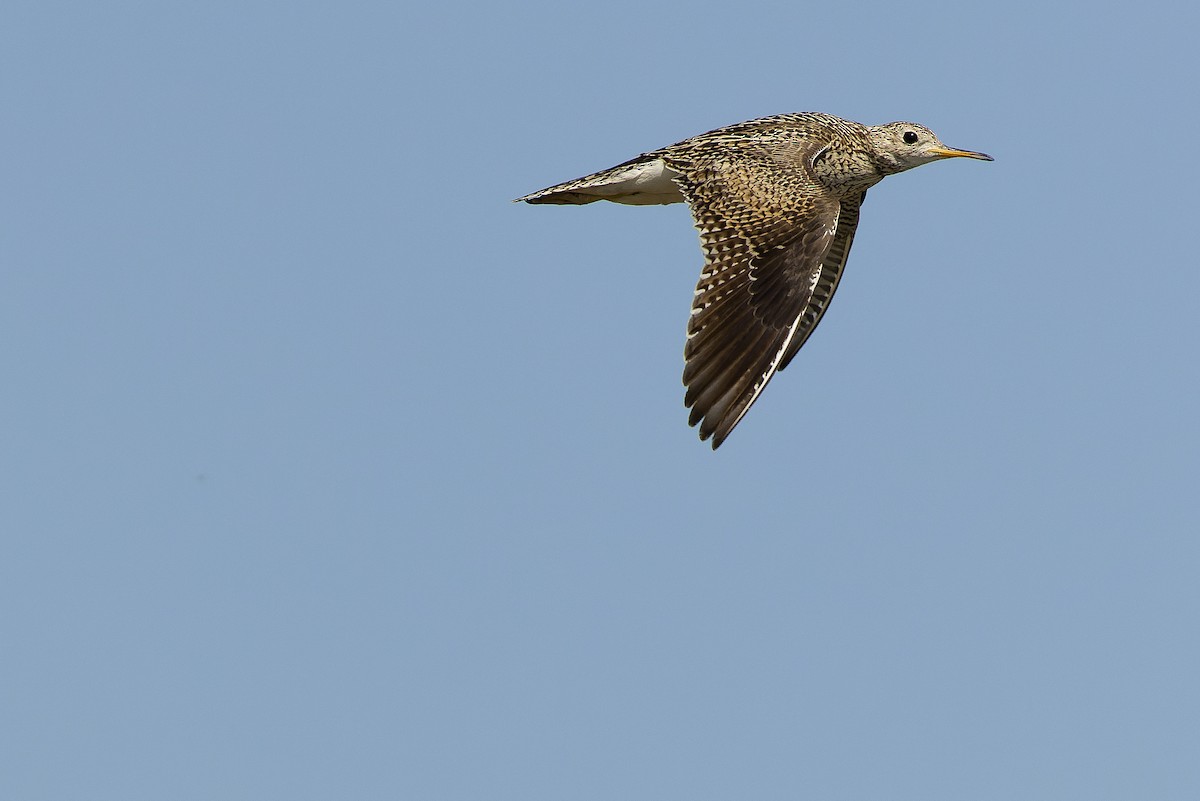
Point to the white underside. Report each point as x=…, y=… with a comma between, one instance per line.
x=645, y=184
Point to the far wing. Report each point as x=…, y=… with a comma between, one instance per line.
x=831, y=273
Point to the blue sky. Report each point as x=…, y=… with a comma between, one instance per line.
x=331, y=473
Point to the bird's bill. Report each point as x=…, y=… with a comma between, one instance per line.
x=950, y=153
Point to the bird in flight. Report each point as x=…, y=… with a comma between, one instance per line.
x=776, y=201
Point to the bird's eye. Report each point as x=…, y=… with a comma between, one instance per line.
x=910, y=138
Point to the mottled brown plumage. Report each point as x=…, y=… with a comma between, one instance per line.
x=776, y=201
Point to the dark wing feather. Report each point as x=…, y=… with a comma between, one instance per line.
x=827, y=284
x=764, y=242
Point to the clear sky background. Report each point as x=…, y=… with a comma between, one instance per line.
x=329, y=472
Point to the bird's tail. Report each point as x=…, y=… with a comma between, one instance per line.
x=643, y=181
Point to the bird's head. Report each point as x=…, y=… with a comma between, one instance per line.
x=904, y=145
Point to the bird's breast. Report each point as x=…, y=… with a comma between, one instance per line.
x=844, y=172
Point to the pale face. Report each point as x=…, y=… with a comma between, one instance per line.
x=909, y=145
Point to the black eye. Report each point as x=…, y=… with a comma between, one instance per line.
x=910, y=138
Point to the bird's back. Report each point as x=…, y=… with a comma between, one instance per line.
x=842, y=167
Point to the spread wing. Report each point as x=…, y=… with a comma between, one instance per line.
x=765, y=237
x=827, y=282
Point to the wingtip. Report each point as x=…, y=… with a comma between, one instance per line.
x=705, y=436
